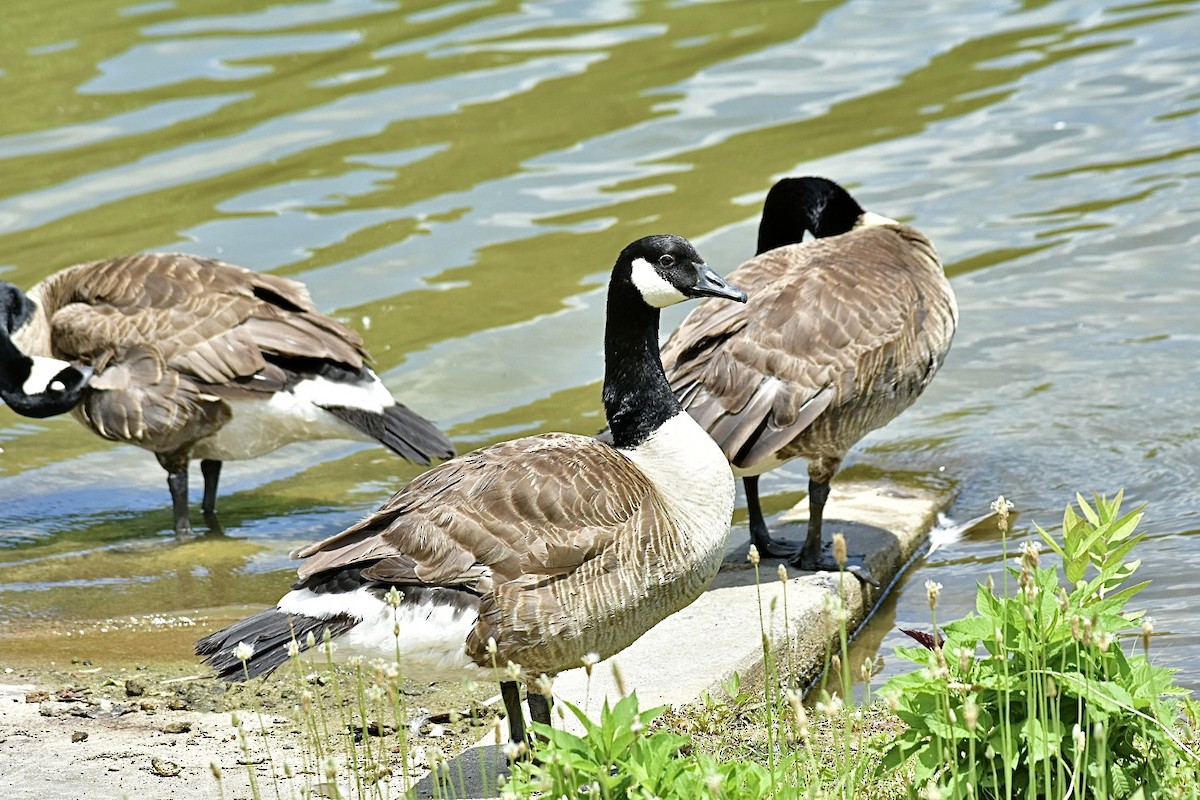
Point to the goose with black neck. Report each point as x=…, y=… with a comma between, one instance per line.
x=541, y=551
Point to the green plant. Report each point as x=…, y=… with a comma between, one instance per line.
x=618, y=758
x=1033, y=695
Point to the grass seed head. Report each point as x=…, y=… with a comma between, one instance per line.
x=839, y=549
x=933, y=591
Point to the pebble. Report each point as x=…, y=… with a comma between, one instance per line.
x=164, y=768
x=177, y=727
x=78, y=736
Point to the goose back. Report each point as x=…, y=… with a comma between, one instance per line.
x=563, y=543
x=839, y=336
x=180, y=343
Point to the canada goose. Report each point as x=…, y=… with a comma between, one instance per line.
x=195, y=358
x=840, y=335
x=536, y=551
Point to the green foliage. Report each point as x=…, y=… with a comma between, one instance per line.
x=619, y=758
x=1033, y=695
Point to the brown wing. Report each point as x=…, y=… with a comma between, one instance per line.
x=170, y=335
x=138, y=400
x=823, y=324
x=541, y=505
x=212, y=322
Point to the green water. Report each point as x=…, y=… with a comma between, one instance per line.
x=455, y=180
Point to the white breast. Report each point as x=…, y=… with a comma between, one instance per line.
x=693, y=478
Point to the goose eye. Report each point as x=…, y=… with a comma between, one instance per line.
x=666, y=260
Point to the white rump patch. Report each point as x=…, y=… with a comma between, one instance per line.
x=870, y=218
x=259, y=427
x=42, y=374
x=432, y=636
x=655, y=289
x=372, y=396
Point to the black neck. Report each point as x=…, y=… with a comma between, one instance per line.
x=14, y=365
x=637, y=396
x=795, y=205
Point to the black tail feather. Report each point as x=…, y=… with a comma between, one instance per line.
x=269, y=634
x=401, y=430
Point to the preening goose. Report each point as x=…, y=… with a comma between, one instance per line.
x=536, y=551
x=840, y=335
x=195, y=358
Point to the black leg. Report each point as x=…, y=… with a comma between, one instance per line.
x=812, y=557
x=539, y=707
x=760, y=536
x=177, y=482
x=818, y=493
x=211, y=470
x=511, y=693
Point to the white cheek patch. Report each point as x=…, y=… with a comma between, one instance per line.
x=870, y=218
x=42, y=375
x=655, y=290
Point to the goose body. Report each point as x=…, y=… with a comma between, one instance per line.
x=192, y=358
x=536, y=551
x=840, y=335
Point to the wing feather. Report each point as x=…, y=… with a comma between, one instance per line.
x=822, y=318
x=528, y=507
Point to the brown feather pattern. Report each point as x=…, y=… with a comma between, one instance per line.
x=179, y=333
x=839, y=336
x=559, y=535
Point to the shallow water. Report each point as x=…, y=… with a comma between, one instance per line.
x=454, y=180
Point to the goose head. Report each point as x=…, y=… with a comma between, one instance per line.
x=33, y=386
x=666, y=269
x=796, y=206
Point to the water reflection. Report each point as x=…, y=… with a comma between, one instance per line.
x=455, y=179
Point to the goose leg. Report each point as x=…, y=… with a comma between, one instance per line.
x=812, y=557
x=539, y=707
x=760, y=537
x=211, y=470
x=510, y=691
x=176, y=465
x=177, y=482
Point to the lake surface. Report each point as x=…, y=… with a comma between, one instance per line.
x=456, y=179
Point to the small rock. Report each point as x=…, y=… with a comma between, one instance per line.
x=71, y=694
x=177, y=704
x=147, y=705
x=164, y=768
x=134, y=687
x=39, y=696
x=78, y=736
x=177, y=727
x=51, y=708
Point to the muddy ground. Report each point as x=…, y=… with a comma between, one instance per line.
x=77, y=721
